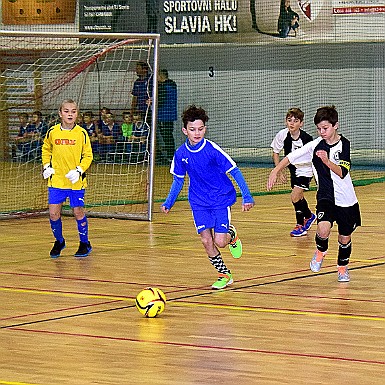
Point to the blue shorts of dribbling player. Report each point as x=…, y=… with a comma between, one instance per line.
x=217, y=219
x=59, y=195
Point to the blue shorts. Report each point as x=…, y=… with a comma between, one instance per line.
x=217, y=219
x=59, y=195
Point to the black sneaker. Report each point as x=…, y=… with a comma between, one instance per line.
x=84, y=249
x=57, y=248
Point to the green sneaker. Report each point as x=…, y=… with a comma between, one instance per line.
x=223, y=281
x=235, y=245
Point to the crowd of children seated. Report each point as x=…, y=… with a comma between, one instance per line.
x=107, y=136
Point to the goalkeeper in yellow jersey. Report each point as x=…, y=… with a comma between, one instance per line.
x=66, y=155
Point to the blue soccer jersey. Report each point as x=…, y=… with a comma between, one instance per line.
x=207, y=166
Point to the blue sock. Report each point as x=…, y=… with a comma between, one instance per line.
x=83, y=229
x=57, y=229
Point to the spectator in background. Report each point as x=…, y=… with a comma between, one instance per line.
x=40, y=128
x=25, y=135
x=140, y=129
x=167, y=112
x=137, y=143
x=141, y=91
x=90, y=127
x=109, y=135
x=38, y=124
x=288, y=20
x=127, y=125
x=102, y=117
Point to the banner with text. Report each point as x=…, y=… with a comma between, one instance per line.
x=238, y=21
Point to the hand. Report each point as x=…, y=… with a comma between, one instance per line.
x=282, y=176
x=48, y=171
x=74, y=175
x=322, y=154
x=164, y=209
x=247, y=206
x=272, y=179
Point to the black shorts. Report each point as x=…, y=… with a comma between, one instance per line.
x=302, y=182
x=347, y=218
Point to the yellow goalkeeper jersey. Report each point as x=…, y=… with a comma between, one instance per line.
x=64, y=150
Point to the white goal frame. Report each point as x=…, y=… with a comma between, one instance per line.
x=32, y=170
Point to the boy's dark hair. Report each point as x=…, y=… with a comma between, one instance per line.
x=143, y=65
x=328, y=113
x=164, y=72
x=23, y=115
x=138, y=112
x=192, y=113
x=296, y=113
x=38, y=113
x=126, y=113
x=89, y=114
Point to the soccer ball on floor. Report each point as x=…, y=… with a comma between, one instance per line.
x=150, y=302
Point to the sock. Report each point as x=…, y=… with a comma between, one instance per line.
x=57, y=229
x=218, y=263
x=299, y=215
x=232, y=235
x=344, y=252
x=322, y=243
x=302, y=211
x=83, y=229
x=305, y=209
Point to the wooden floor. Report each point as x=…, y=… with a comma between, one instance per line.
x=70, y=321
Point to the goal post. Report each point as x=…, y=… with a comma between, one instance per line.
x=38, y=71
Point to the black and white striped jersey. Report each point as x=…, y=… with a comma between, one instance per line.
x=329, y=185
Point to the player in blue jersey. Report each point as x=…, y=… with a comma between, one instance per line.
x=336, y=198
x=211, y=192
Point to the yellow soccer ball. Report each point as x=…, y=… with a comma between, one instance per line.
x=150, y=302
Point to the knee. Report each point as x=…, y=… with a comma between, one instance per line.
x=54, y=216
x=221, y=240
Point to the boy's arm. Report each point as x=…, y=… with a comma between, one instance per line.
x=175, y=189
x=336, y=168
x=276, y=160
x=87, y=155
x=247, y=199
x=275, y=171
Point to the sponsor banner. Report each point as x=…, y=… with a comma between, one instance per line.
x=120, y=16
x=17, y=12
x=355, y=10
x=235, y=21
x=348, y=7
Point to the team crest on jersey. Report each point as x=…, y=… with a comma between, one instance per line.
x=310, y=8
x=336, y=156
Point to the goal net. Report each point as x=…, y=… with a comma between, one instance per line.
x=41, y=70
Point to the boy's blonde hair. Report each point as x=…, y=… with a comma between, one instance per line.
x=68, y=101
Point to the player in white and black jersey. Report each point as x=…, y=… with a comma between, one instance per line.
x=336, y=198
x=288, y=140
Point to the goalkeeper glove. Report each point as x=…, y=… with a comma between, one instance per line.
x=48, y=171
x=74, y=175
